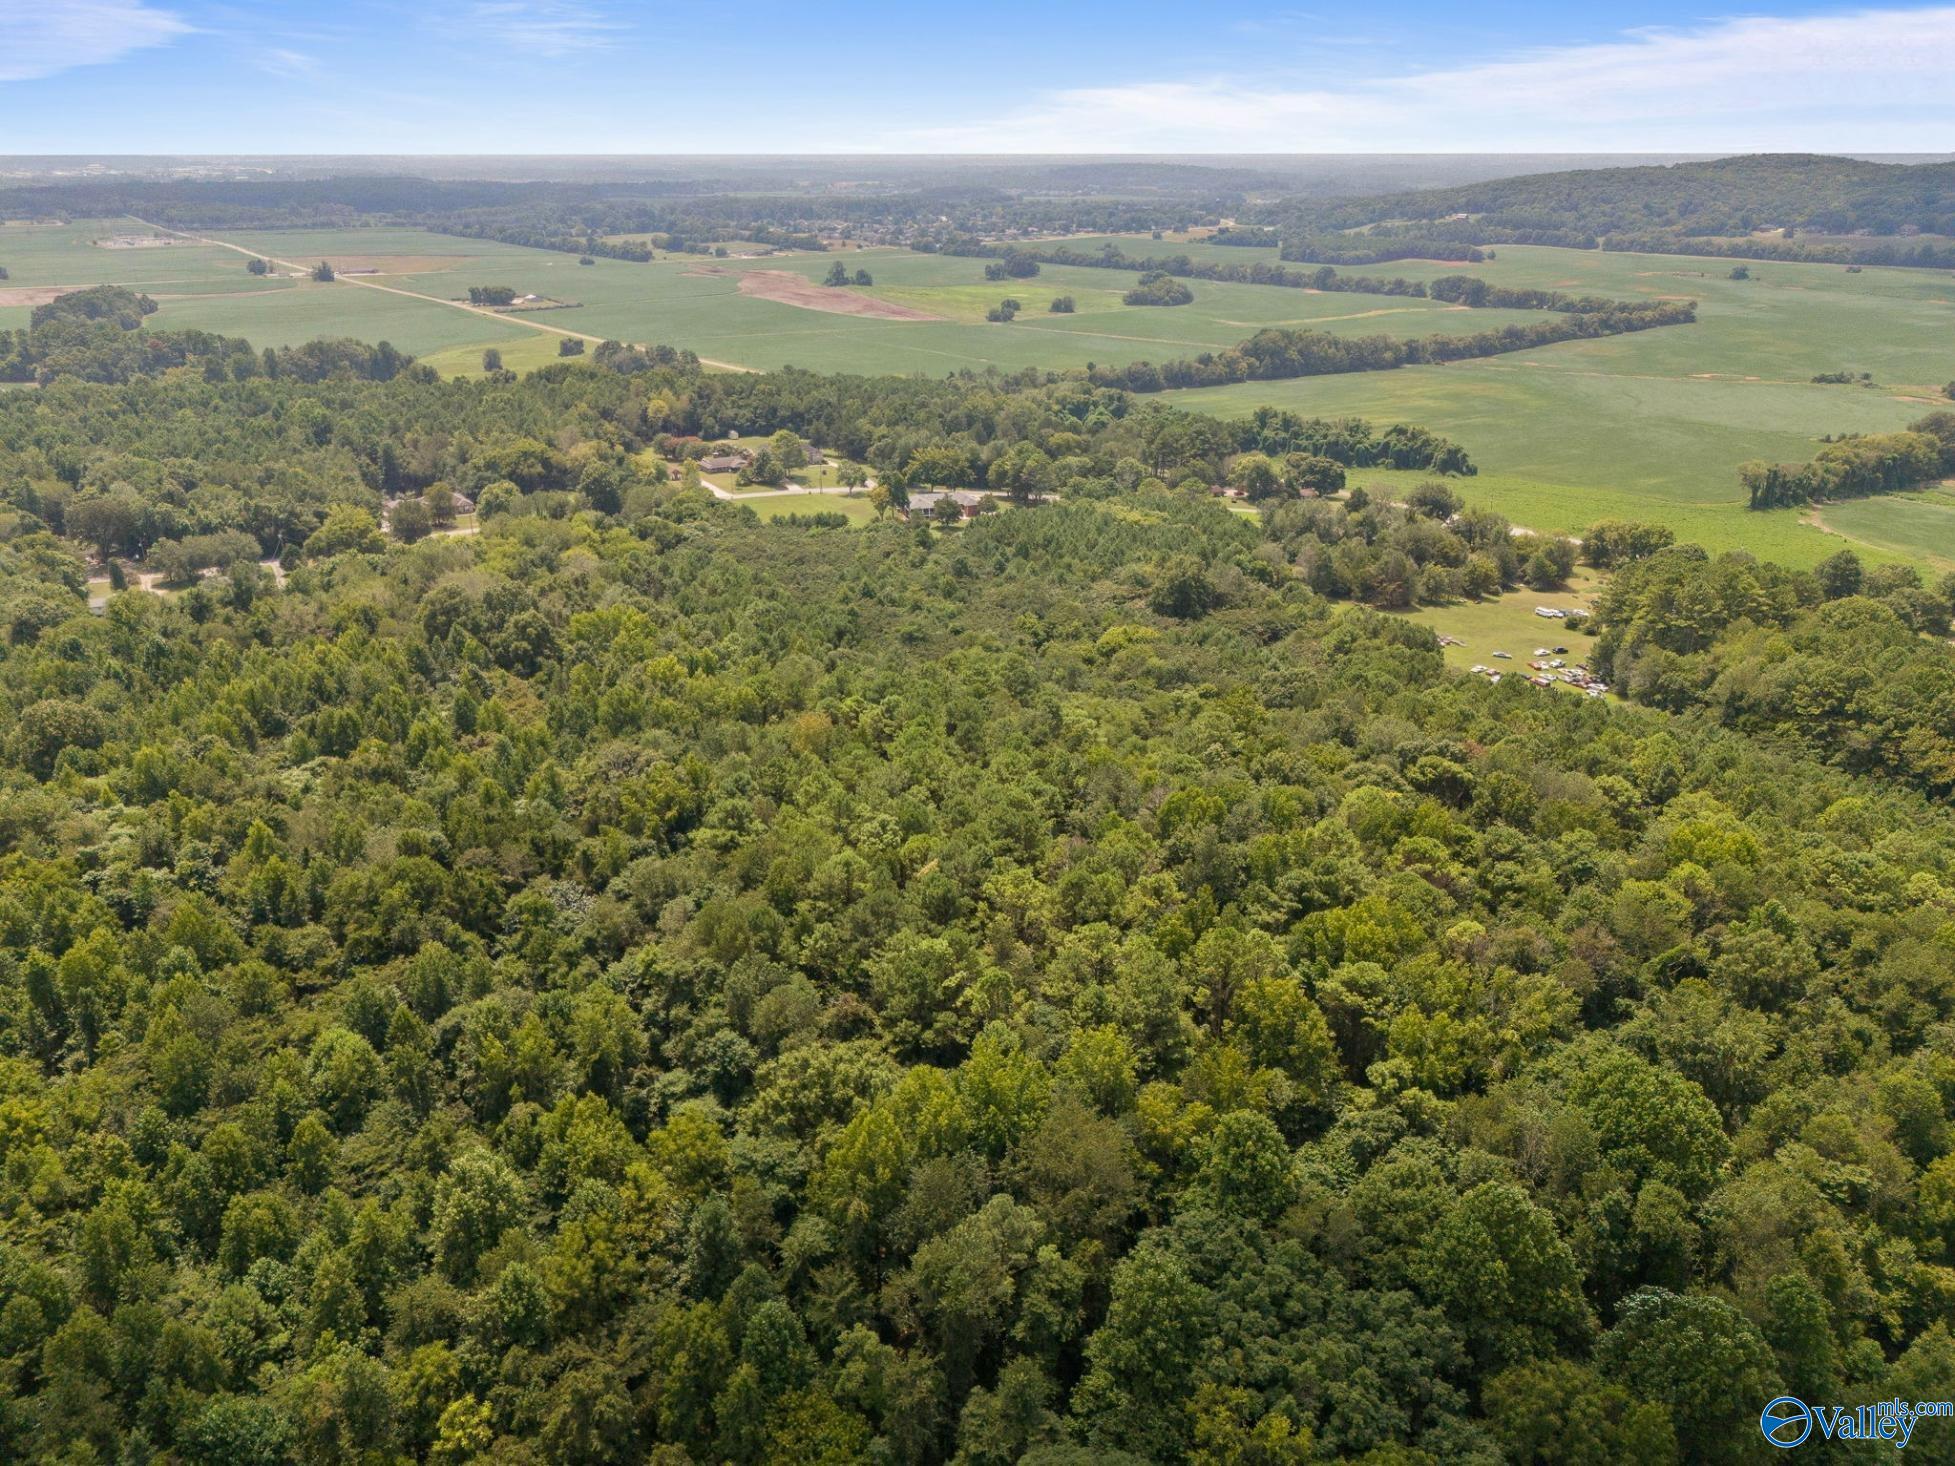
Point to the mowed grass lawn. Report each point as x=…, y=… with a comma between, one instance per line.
x=857, y=507
x=1507, y=623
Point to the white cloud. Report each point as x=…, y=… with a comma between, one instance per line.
x=282, y=61
x=1861, y=81
x=41, y=37
x=541, y=27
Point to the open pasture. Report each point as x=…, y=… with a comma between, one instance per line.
x=524, y=352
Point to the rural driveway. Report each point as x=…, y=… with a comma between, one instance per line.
x=731, y=497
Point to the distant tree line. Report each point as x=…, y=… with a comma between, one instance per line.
x=1377, y=247
x=1279, y=352
x=1247, y=236
x=1468, y=290
x=1257, y=272
x=1013, y=264
x=1919, y=255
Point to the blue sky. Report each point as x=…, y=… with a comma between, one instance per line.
x=603, y=76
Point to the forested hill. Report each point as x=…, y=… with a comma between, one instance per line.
x=1726, y=198
x=637, y=985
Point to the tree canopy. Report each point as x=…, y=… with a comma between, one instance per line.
x=637, y=983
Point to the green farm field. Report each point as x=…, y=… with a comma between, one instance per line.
x=40, y=255
x=1652, y=425
x=1911, y=526
x=698, y=303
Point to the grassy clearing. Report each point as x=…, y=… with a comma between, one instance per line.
x=1719, y=525
x=523, y=353
x=1507, y=623
x=857, y=508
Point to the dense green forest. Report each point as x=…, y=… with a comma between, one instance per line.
x=635, y=984
x=1850, y=662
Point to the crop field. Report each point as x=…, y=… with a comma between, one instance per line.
x=1654, y=425
x=1651, y=425
x=700, y=304
x=207, y=287
x=1913, y=526
x=70, y=255
x=695, y=302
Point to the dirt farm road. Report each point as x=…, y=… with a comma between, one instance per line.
x=460, y=305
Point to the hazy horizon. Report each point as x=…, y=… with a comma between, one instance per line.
x=188, y=76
